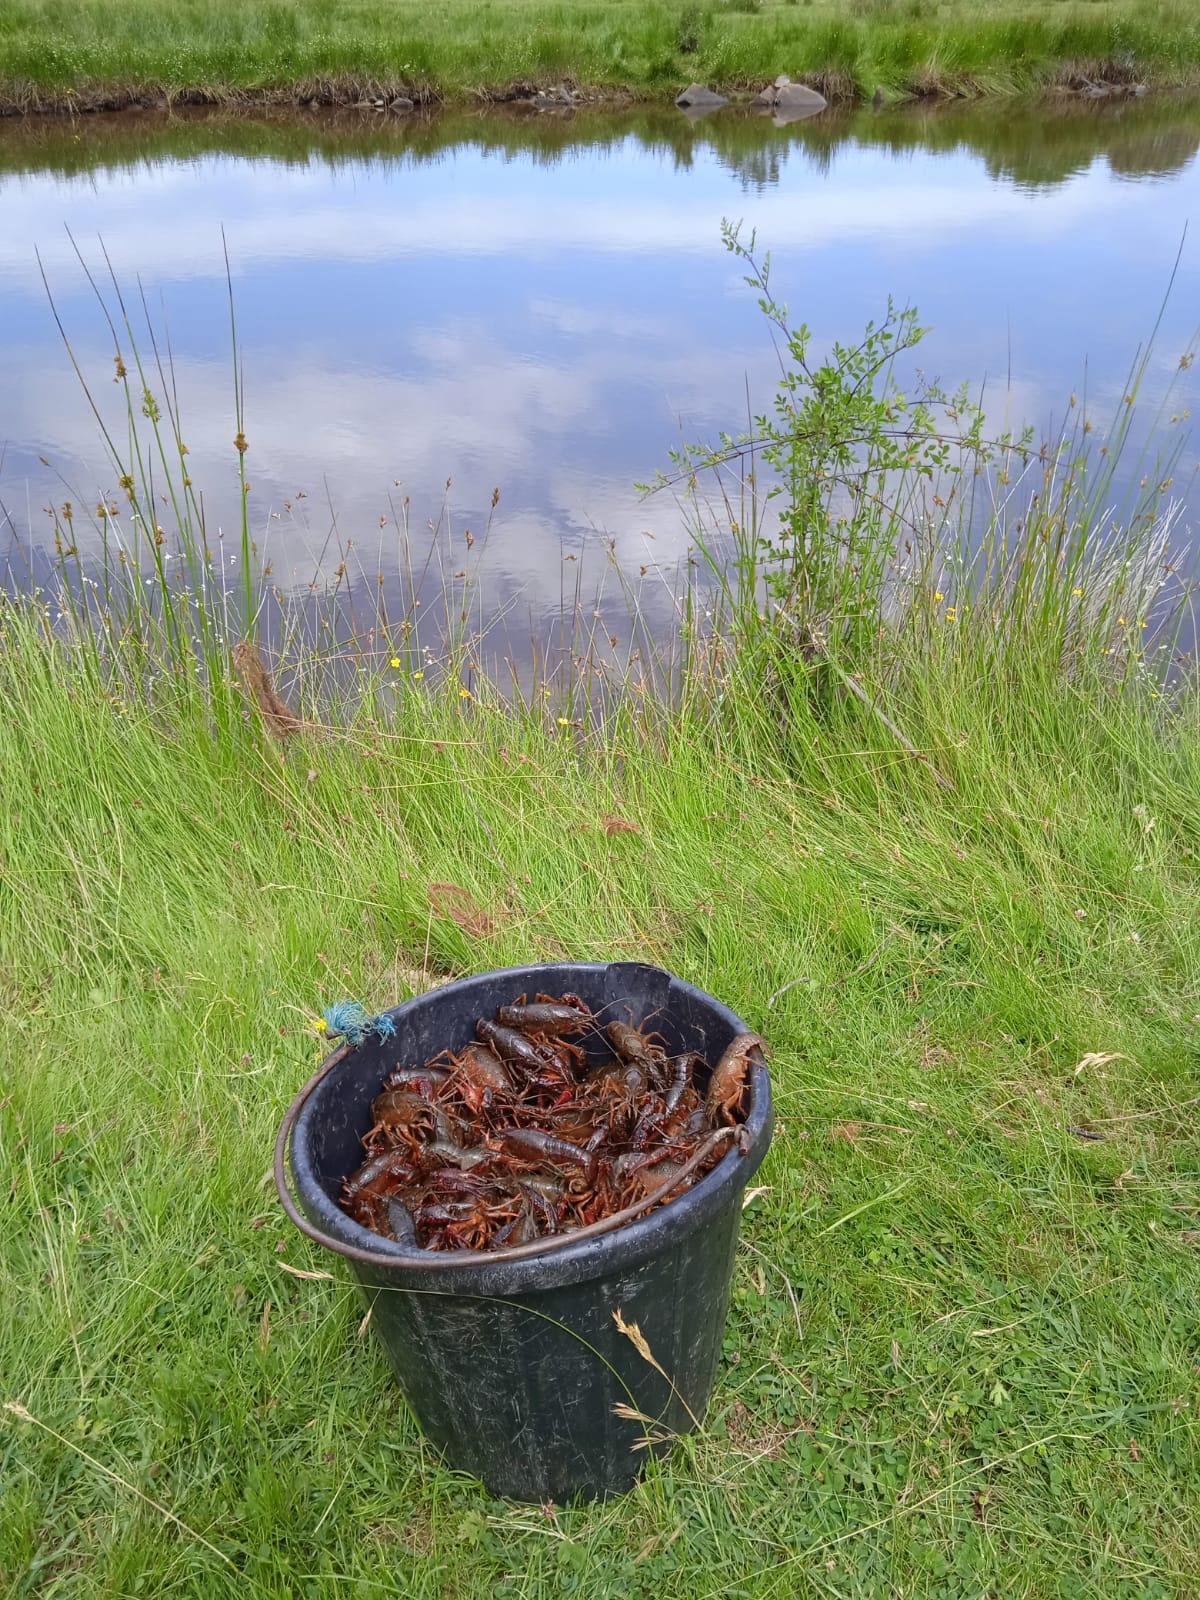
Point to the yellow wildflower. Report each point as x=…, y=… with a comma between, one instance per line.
x=1120, y=622
x=395, y=661
x=320, y=1025
x=938, y=596
x=1078, y=593
x=464, y=694
x=417, y=676
x=951, y=613
x=564, y=722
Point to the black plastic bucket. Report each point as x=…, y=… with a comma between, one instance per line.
x=513, y=1361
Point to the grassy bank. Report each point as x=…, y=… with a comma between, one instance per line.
x=960, y=1357
x=934, y=833
x=114, y=52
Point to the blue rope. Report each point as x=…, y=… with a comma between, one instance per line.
x=355, y=1022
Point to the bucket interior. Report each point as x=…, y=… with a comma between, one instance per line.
x=338, y=1115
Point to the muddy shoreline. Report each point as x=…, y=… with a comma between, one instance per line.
x=397, y=98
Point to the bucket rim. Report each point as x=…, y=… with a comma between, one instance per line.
x=564, y=1259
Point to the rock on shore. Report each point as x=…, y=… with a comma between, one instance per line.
x=790, y=99
x=699, y=97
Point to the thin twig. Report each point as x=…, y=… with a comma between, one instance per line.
x=785, y=989
x=900, y=737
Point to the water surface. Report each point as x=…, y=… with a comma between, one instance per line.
x=542, y=305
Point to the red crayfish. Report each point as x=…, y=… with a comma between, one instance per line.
x=549, y=1120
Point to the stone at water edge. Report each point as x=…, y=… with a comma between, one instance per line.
x=699, y=94
x=401, y=103
x=799, y=97
x=765, y=97
x=782, y=81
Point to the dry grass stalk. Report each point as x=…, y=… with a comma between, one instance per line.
x=16, y=1409
x=453, y=901
x=614, y=824
x=257, y=682
x=640, y=1343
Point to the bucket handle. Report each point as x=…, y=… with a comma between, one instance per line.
x=432, y=1260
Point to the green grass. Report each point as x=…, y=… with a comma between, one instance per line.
x=53, y=52
x=960, y=1358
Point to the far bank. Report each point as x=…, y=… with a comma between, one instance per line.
x=101, y=55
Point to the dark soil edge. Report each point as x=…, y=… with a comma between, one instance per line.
x=372, y=96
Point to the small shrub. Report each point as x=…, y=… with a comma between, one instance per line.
x=692, y=24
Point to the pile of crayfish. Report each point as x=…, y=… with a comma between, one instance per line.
x=526, y=1132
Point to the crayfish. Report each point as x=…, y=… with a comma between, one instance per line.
x=547, y=1121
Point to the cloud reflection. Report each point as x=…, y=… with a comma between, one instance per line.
x=549, y=329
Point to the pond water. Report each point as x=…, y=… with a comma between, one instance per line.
x=542, y=304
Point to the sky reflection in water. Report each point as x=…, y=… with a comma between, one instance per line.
x=547, y=307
